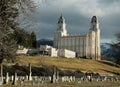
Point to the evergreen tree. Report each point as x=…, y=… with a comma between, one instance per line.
x=33, y=40
x=22, y=38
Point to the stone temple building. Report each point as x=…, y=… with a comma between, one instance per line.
x=85, y=46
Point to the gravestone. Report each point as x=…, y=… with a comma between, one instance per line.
x=26, y=78
x=55, y=75
x=7, y=78
x=1, y=80
x=1, y=74
x=38, y=82
x=30, y=73
x=14, y=79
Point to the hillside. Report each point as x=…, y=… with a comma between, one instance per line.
x=102, y=67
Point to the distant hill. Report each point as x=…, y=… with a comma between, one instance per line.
x=44, y=42
x=108, y=51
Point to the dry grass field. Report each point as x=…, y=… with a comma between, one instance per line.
x=102, y=67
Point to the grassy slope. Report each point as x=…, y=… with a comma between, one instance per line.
x=103, y=67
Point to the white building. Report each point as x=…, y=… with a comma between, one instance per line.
x=87, y=45
x=53, y=52
x=66, y=53
x=21, y=50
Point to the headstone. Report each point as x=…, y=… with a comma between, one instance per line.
x=73, y=78
x=15, y=79
x=49, y=78
x=12, y=77
x=30, y=73
x=38, y=82
x=26, y=78
x=63, y=79
x=1, y=74
x=1, y=80
x=55, y=75
x=7, y=78
x=53, y=78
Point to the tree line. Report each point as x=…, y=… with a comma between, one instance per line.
x=24, y=38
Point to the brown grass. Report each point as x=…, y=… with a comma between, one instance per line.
x=74, y=64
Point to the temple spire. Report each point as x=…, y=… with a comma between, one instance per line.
x=94, y=19
x=94, y=23
x=61, y=20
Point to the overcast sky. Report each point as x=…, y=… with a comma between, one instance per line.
x=77, y=14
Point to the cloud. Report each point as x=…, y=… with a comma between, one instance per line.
x=78, y=14
x=106, y=2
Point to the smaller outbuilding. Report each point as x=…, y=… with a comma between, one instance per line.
x=21, y=50
x=53, y=52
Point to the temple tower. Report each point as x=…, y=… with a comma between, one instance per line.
x=60, y=32
x=94, y=39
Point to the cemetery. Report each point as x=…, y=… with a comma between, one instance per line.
x=54, y=76
x=56, y=81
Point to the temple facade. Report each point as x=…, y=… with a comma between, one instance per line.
x=85, y=46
